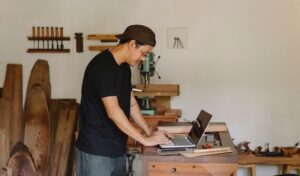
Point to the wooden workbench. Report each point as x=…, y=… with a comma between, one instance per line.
x=158, y=164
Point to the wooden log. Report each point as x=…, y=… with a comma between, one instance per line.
x=21, y=162
x=64, y=140
x=37, y=128
x=4, y=131
x=13, y=89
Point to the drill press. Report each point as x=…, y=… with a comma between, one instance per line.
x=147, y=69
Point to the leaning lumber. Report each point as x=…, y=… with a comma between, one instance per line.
x=21, y=162
x=4, y=131
x=55, y=107
x=64, y=139
x=54, y=114
x=13, y=89
x=37, y=128
x=40, y=75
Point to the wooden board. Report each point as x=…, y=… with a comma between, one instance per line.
x=103, y=37
x=99, y=48
x=64, y=140
x=54, y=112
x=21, y=162
x=37, y=128
x=13, y=89
x=4, y=131
x=40, y=75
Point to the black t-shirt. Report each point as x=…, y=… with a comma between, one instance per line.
x=103, y=77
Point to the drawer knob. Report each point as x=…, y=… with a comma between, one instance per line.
x=173, y=169
x=153, y=166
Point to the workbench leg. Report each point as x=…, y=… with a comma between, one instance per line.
x=251, y=169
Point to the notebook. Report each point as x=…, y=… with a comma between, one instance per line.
x=194, y=136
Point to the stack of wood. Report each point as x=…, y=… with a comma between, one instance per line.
x=39, y=138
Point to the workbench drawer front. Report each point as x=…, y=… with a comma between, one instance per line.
x=190, y=169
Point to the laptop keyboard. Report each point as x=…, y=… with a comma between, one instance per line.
x=181, y=141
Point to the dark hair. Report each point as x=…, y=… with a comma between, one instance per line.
x=137, y=43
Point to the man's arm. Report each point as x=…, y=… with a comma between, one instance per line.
x=137, y=117
x=116, y=114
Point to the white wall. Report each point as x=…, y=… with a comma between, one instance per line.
x=242, y=64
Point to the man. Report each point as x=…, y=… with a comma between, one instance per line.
x=106, y=104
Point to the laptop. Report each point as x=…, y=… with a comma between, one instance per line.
x=194, y=136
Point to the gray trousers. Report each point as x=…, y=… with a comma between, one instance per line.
x=93, y=165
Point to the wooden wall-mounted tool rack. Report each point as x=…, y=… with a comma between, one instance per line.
x=103, y=38
x=48, y=40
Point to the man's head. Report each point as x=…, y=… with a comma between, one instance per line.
x=140, y=41
x=139, y=33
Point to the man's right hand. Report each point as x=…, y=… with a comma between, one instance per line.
x=156, y=138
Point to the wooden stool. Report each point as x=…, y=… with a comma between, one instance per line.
x=288, y=168
x=250, y=167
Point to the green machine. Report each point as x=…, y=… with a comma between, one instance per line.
x=147, y=70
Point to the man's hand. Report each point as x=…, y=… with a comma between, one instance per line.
x=156, y=138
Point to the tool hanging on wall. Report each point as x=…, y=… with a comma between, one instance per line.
x=147, y=69
x=48, y=41
x=178, y=43
x=79, y=42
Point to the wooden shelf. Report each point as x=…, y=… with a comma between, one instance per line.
x=155, y=90
x=103, y=37
x=31, y=50
x=252, y=159
x=99, y=48
x=48, y=38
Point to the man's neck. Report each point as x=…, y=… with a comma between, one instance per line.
x=119, y=53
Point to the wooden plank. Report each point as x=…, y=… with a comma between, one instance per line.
x=3, y=152
x=37, y=128
x=99, y=48
x=103, y=37
x=4, y=131
x=64, y=139
x=40, y=75
x=54, y=113
x=13, y=89
x=157, y=90
x=21, y=162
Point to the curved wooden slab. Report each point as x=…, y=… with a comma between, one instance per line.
x=40, y=75
x=21, y=162
x=13, y=89
x=37, y=128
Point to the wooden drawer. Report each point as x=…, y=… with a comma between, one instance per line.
x=190, y=169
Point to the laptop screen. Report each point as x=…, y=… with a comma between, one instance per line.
x=199, y=126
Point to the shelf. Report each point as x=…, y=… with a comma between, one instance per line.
x=155, y=90
x=48, y=38
x=99, y=48
x=103, y=37
x=31, y=50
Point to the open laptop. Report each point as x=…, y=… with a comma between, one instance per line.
x=194, y=136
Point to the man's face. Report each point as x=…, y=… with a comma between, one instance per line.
x=139, y=54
